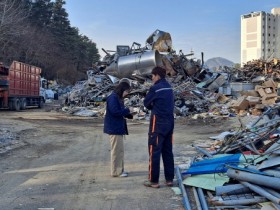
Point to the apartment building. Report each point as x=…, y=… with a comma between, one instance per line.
x=260, y=35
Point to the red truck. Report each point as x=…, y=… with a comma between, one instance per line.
x=20, y=86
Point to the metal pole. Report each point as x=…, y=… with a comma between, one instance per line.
x=240, y=201
x=186, y=201
x=202, y=151
x=202, y=199
x=269, y=172
x=197, y=200
x=272, y=192
x=232, y=189
x=229, y=207
x=262, y=192
x=268, y=181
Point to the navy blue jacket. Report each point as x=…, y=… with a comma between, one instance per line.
x=114, y=122
x=160, y=100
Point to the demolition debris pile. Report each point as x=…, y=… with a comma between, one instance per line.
x=199, y=91
x=256, y=70
x=240, y=170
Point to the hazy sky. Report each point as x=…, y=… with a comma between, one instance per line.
x=209, y=26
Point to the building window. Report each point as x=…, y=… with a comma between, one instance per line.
x=268, y=34
x=268, y=50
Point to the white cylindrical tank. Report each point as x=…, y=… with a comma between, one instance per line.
x=140, y=63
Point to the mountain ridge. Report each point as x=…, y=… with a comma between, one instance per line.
x=216, y=62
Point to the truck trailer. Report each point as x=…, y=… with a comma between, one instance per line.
x=20, y=86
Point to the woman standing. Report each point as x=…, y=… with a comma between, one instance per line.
x=115, y=125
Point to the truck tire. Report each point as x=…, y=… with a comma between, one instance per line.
x=40, y=103
x=23, y=104
x=16, y=104
x=11, y=105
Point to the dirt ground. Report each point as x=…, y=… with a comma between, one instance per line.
x=59, y=161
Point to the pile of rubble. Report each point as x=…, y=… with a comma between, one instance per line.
x=135, y=64
x=256, y=69
x=241, y=170
x=256, y=100
x=199, y=91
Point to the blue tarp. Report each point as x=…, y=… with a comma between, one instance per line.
x=213, y=165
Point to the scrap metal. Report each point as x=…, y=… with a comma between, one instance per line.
x=186, y=201
x=196, y=87
x=258, y=176
x=135, y=63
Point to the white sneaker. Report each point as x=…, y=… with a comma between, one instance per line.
x=124, y=174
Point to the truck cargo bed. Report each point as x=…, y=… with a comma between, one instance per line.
x=24, y=80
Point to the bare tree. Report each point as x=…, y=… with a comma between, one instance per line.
x=12, y=16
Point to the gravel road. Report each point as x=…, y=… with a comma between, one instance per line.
x=58, y=161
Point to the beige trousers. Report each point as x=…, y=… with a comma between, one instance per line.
x=117, y=154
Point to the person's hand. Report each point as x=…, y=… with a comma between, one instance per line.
x=129, y=116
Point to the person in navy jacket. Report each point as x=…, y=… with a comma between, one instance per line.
x=115, y=125
x=160, y=100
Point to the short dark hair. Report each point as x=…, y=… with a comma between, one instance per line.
x=120, y=88
x=159, y=71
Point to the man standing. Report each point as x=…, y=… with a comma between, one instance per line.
x=160, y=101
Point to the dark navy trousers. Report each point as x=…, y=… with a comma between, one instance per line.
x=161, y=143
